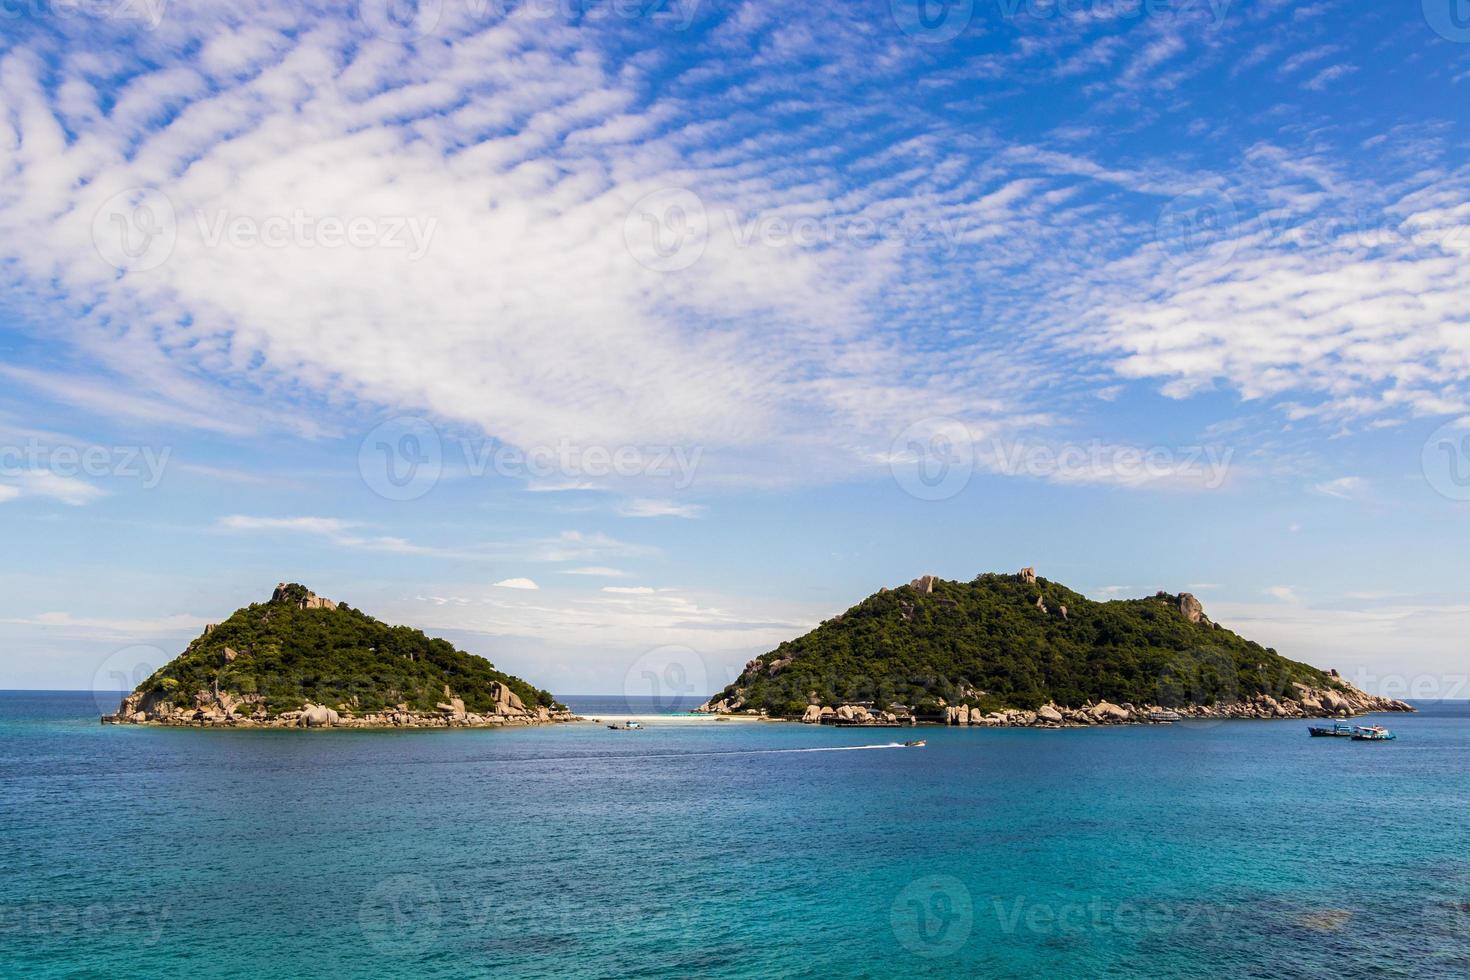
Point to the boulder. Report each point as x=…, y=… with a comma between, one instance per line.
x=1107, y=711
x=924, y=584
x=1027, y=576
x=317, y=716
x=844, y=713
x=1049, y=713
x=505, y=696
x=812, y=715
x=1190, y=607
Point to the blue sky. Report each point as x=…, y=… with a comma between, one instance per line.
x=595, y=336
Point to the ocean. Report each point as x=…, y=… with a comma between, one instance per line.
x=731, y=849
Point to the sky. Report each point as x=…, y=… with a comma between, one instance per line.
x=621, y=341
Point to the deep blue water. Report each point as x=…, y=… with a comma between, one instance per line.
x=711, y=850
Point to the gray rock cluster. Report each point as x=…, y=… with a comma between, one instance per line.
x=216, y=709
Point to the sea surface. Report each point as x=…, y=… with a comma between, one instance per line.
x=731, y=849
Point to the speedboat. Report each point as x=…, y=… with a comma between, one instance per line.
x=917, y=743
x=1372, y=733
x=1338, y=730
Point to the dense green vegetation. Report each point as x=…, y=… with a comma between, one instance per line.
x=986, y=643
x=286, y=655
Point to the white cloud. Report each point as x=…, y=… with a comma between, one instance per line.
x=51, y=486
x=517, y=583
x=1327, y=76
x=1344, y=487
x=305, y=525
x=600, y=571
x=71, y=624
x=660, y=508
x=629, y=589
x=1283, y=593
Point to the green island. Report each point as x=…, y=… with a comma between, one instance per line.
x=303, y=661
x=1020, y=650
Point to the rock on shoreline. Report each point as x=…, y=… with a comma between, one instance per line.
x=1344, y=702
x=216, y=709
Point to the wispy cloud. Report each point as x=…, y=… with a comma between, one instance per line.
x=524, y=584
x=1344, y=487
x=660, y=508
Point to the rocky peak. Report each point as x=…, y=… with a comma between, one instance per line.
x=924, y=584
x=295, y=594
x=1027, y=576
x=1190, y=607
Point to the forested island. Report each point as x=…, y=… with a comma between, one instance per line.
x=300, y=660
x=1022, y=650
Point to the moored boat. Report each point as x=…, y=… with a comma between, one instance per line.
x=626, y=726
x=1372, y=733
x=1338, y=730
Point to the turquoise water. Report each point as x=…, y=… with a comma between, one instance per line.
x=716, y=850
